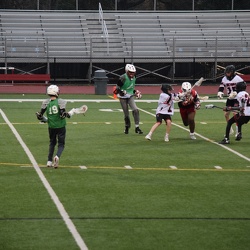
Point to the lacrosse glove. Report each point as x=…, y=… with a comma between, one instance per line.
x=138, y=94
x=39, y=116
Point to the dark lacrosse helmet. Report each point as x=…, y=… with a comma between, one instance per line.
x=166, y=87
x=241, y=86
x=230, y=72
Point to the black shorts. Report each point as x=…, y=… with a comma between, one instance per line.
x=241, y=119
x=231, y=102
x=160, y=117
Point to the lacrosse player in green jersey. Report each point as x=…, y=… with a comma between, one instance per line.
x=125, y=90
x=56, y=114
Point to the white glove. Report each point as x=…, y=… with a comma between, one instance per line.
x=220, y=94
x=138, y=94
x=232, y=95
x=177, y=99
x=197, y=106
x=181, y=95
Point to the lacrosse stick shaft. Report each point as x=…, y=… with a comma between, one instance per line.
x=198, y=83
x=211, y=106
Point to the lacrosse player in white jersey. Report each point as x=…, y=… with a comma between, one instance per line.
x=243, y=111
x=229, y=82
x=164, y=111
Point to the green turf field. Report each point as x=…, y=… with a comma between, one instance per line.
x=179, y=195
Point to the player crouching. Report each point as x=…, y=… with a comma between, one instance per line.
x=243, y=111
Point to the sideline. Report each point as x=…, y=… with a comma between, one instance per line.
x=97, y=100
x=46, y=184
x=205, y=138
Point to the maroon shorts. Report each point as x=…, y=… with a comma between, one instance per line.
x=185, y=111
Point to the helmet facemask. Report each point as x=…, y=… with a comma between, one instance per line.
x=130, y=70
x=230, y=72
x=186, y=87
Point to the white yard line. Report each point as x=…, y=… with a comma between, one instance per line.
x=46, y=184
x=205, y=138
x=97, y=100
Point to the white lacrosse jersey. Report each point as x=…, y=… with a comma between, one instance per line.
x=244, y=102
x=166, y=104
x=229, y=84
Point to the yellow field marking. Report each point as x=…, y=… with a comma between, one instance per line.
x=134, y=168
x=14, y=164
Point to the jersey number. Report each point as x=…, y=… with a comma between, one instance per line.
x=53, y=110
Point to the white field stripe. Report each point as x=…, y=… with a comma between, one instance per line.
x=217, y=167
x=96, y=100
x=83, y=167
x=128, y=167
x=53, y=195
x=173, y=167
x=206, y=139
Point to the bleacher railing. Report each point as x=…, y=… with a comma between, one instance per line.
x=104, y=27
x=130, y=47
x=212, y=52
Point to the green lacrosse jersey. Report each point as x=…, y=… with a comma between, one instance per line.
x=53, y=114
x=128, y=84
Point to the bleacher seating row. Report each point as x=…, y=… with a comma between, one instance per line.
x=165, y=34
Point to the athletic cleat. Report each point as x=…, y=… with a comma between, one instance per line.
x=138, y=131
x=238, y=137
x=56, y=162
x=148, y=137
x=49, y=164
x=166, y=138
x=192, y=136
x=224, y=141
x=126, y=130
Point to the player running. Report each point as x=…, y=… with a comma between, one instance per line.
x=243, y=114
x=229, y=82
x=188, y=105
x=56, y=114
x=164, y=111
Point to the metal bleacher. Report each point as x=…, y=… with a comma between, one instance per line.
x=46, y=35
x=186, y=34
x=78, y=35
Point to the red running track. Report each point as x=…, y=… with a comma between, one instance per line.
x=90, y=89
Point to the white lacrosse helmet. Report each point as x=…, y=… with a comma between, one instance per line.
x=130, y=67
x=53, y=90
x=186, y=86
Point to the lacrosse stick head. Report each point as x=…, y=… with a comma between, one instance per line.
x=209, y=106
x=204, y=98
x=83, y=109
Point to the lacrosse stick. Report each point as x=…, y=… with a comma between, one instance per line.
x=76, y=111
x=204, y=98
x=211, y=106
x=234, y=109
x=199, y=82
